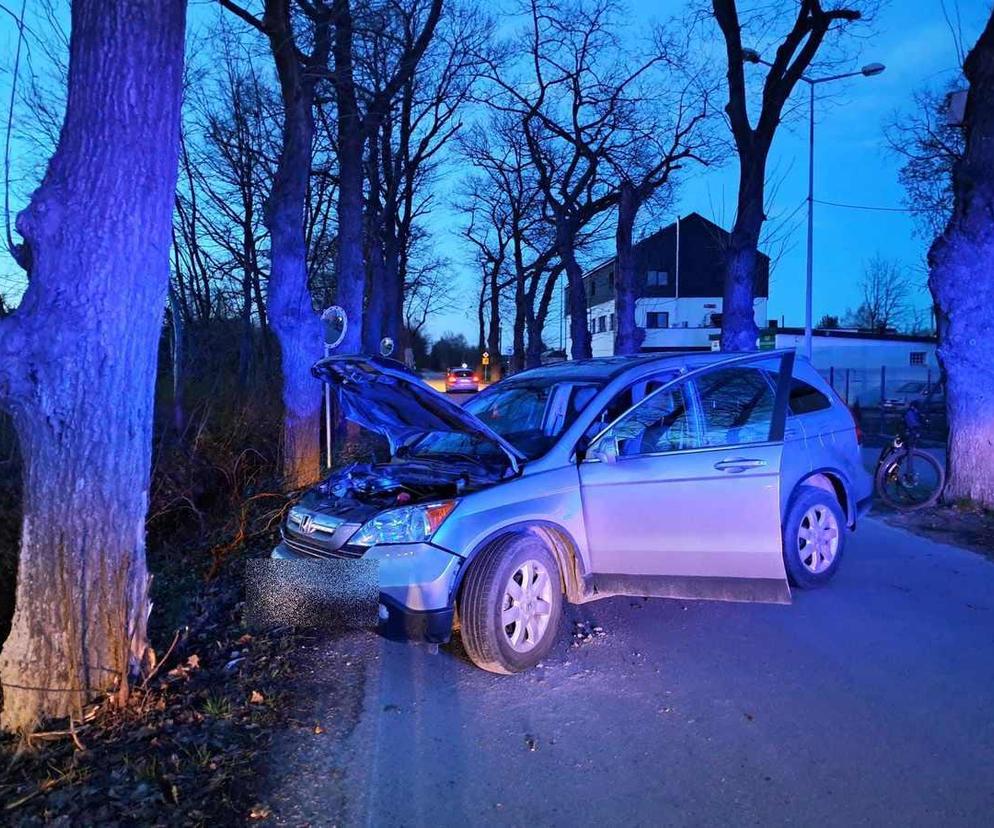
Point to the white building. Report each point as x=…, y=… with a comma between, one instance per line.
x=680, y=273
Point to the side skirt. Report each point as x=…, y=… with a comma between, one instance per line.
x=749, y=590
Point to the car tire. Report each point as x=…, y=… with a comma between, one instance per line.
x=814, y=537
x=506, y=626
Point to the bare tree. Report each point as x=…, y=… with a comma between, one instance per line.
x=408, y=148
x=664, y=130
x=290, y=305
x=573, y=88
x=962, y=284
x=810, y=23
x=506, y=181
x=489, y=232
x=929, y=147
x=886, y=287
x=358, y=119
x=78, y=360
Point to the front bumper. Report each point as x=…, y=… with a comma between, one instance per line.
x=415, y=583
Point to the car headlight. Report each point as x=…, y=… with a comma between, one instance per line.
x=408, y=524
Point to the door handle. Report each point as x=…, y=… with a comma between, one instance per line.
x=735, y=465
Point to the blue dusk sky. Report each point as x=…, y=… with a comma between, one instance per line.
x=853, y=165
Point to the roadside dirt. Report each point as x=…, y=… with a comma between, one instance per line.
x=967, y=526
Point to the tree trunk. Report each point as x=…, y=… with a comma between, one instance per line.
x=536, y=322
x=962, y=284
x=78, y=362
x=178, y=363
x=579, y=331
x=291, y=311
x=290, y=307
x=522, y=310
x=493, y=335
x=738, y=315
x=393, y=291
x=628, y=336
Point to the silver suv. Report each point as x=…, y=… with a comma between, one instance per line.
x=692, y=475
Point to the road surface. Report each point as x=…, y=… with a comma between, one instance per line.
x=869, y=702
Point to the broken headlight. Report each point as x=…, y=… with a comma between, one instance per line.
x=408, y=524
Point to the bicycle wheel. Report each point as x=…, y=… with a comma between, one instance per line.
x=910, y=480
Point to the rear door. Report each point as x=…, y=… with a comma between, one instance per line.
x=681, y=494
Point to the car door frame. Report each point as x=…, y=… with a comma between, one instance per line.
x=733, y=588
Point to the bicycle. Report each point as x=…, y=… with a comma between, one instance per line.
x=908, y=477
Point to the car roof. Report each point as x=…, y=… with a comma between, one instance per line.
x=605, y=369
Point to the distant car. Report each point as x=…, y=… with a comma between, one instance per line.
x=461, y=380
x=688, y=475
x=931, y=396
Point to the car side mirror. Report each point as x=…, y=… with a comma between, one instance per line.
x=606, y=450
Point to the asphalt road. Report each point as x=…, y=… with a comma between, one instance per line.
x=869, y=702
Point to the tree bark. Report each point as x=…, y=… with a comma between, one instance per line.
x=579, y=331
x=628, y=335
x=962, y=284
x=738, y=316
x=290, y=306
x=493, y=335
x=78, y=362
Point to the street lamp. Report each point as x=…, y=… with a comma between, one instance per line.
x=868, y=71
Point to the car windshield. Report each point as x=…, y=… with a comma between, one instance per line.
x=529, y=415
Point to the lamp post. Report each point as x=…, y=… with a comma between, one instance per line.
x=868, y=71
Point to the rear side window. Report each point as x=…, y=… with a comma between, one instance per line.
x=805, y=398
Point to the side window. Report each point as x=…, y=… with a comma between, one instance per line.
x=737, y=406
x=804, y=398
x=625, y=399
x=663, y=422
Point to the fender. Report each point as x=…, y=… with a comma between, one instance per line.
x=561, y=543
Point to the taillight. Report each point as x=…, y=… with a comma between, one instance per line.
x=475, y=378
x=859, y=428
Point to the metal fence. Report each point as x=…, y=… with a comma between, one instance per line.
x=869, y=387
x=866, y=389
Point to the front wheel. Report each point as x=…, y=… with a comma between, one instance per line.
x=910, y=480
x=511, y=605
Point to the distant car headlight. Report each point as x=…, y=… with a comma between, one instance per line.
x=408, y=524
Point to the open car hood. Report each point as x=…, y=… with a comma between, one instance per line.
x=383, y=396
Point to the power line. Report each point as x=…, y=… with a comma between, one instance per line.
x=869, y=207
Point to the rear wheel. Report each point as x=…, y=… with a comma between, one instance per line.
x=814, y=536
x=511, y=605
x=909, y=480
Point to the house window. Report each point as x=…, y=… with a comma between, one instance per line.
x=657, y=319
x=610, y=323
x=657, y=278
x=601, y=324
x=917, y=357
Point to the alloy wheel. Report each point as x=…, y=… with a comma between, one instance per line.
x=527, y=606
x=818, y=539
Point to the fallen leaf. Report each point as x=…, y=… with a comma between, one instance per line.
x=259, y=812
x=245, y=639
x=256, y=697
x=318, y=729
x=193, y=662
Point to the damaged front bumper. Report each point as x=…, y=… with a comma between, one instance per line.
x=415, y=583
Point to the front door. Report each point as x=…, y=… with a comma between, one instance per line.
x=681, y=493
